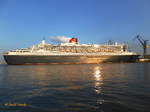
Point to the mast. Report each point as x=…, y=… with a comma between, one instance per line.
x=43, y=41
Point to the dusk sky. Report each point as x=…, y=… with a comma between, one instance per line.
x=25, y=22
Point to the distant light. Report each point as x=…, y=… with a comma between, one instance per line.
x=96, y=45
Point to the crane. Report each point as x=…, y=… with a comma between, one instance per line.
x=143, y=44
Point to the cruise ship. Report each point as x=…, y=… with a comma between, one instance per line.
x=69, y=53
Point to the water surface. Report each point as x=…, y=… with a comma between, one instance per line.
x=122, y=87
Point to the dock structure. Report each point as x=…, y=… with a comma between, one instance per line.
x=143, y=44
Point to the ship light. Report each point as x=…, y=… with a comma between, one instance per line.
x=96, y=45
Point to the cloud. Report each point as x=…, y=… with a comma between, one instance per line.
x=60, y=39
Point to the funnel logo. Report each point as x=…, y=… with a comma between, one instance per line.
x=73, y=40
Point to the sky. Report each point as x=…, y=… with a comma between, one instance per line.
x=25, y=22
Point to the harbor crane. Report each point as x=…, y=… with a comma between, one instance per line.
x=143, y=44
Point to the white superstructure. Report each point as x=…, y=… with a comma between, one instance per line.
x=72, y=49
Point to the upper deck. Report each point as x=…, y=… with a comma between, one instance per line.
x=72, y=49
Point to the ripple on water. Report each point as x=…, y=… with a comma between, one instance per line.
x=77, y=88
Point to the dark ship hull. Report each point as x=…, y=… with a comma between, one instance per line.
x=66, y=59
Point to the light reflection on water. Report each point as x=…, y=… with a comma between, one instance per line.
x=98, y=79
x=98, y=83
x=77, y=88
